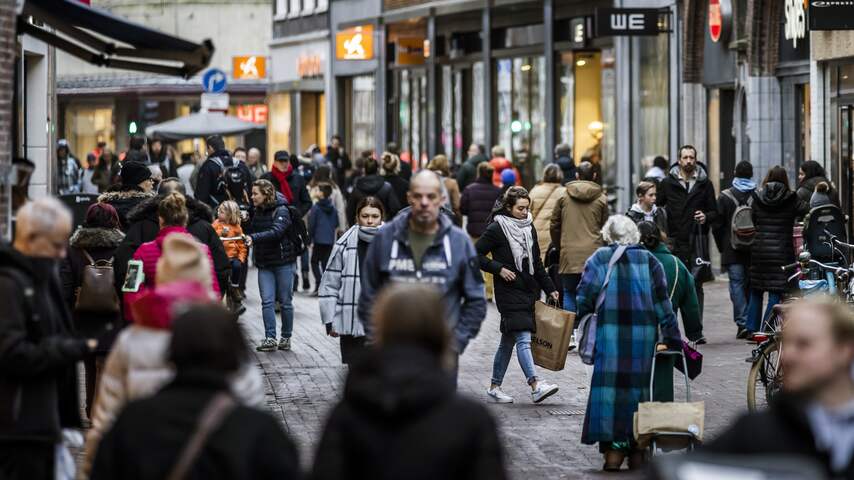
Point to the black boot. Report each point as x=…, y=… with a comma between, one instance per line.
x=306, y=286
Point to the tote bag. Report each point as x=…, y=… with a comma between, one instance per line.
x=587, y=345
x=550, y=343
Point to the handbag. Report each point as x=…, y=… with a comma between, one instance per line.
x=588, y=323
x=693, y=358
x=550, y=343
x=211, y=418
x=701, y=264
x=97, y=292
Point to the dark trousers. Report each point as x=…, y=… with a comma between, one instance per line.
x=319, y=258
x=93, y=365
x=236, y=271
x=30, y=460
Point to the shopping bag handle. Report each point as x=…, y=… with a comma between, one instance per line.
x=552, y=302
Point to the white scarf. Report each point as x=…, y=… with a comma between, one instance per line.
x=520, y=238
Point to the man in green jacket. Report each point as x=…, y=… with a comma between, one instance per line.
x=683, y=297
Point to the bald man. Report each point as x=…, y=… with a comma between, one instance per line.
x=421, y=245
x=38, y=354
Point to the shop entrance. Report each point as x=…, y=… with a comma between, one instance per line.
x=845, y=158
x=721, y=151
x=409, y=126
x=462, y=109
x=312, y=120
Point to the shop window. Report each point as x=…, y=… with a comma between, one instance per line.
x=361, y=115
x=411, y=129
x=278, y=124
x=85, y=126
x=520, y=104
x=607, y=145
x=653, y=121
x=462, y=109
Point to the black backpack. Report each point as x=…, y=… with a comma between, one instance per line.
x=298, y=233
x=235, y=181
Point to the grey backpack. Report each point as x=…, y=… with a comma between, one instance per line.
x=742, y=229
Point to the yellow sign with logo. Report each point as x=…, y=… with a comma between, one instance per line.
x=249, y=67
x=355, y=43
x=410, y=51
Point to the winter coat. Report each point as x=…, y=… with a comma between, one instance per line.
x=782, y=430
x=149, y=253
x=323, y=222
x=636, y=306
x=807, y=188
x=499, y=164
x=468, y=171
x=775, y=208
x=340, y=285
x=249, y=443
x=233, y=248
x=723, y=229
x=144, y=227
x=680, y=205
x=577, y=222
x=476, y=203
x=100, y=244
x=372, y=186
x=302, y=200
x=124, y=202
x=567, y=166
x=680, y=287
x=269, y=232
x=138, y=365
x=450, y=264
x=454, y=196
x=419, y=428
x=38, y=356
x=209, y=185
x=659, y=216
x=337, y=201
x=400, y=187
x=515, y=300
x=544, y=198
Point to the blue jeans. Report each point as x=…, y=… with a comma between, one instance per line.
x=277, y=282
x=755, y=319
x=569, y=283
x=738, y=292
x=523, y=353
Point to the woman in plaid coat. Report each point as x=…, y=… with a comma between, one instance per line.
x=636, y=305
x=340, y=285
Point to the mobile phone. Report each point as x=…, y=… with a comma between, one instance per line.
x=134, y=278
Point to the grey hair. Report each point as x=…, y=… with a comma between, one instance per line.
x=621, y=230
x=43, y=215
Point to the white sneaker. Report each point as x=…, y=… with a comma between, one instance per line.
x=573, y=344
x=495, y=395
x=544, y=390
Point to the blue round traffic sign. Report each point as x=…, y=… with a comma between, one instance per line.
x=214, y=80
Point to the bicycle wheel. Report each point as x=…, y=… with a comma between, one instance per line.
x=764, y=379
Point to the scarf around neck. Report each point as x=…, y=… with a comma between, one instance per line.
x=743, y=184
x=282, y=178
x=520, y=238
x=367, y=234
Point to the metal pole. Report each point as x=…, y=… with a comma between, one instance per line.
x=432, y=96
x=549, y=113
x=380, y=100
x=486, y=42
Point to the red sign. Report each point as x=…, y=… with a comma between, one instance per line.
x=715, y=20
x=256, y=113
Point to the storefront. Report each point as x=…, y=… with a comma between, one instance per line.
x=723, y=100
x=793, y=72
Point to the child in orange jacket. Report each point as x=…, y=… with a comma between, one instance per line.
x=227, y=225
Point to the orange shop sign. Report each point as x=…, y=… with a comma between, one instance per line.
x=249, y=67
x=255, y=113
x=309, y=66
x=355, y=43
x=410, y=51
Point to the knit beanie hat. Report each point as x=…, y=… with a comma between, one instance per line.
x=508, y=177
x=134, y=173
x=183, y=259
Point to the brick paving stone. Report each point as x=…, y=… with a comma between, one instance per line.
x=541, y=440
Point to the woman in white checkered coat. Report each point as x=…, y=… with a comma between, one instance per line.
x=340, y=284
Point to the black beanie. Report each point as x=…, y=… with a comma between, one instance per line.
x=134, y=173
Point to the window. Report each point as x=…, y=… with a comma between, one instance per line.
x=520, y=105
x=294, y=9
x=322, y=6
x=281, y=9
x=307, y=7
x=362, y=113
x=653, y=127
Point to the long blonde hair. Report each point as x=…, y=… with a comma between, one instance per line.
x=231, y=211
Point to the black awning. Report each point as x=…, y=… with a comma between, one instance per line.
x=102, y=38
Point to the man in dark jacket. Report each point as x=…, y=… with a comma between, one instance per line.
x=688, y=197
x=468, y=170
x=38, y=354
x=423, y=246
x=372, y=184
x=476, y=203
x=563, y=159
x=210, y=186
x=338, y=159
x=812, y=416
x=143, y=227
x=735, y=262
x=137, y=185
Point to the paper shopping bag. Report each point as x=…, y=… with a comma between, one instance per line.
x=550, y=343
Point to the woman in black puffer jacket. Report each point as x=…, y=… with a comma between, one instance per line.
x=775, y=207
x=810, y=175
x=275, y=256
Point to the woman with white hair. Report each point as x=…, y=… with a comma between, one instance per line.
x=634, y=306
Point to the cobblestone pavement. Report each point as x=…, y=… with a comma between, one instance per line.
x=540, y=440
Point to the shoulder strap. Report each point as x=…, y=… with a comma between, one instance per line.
x=675, y=277
x=211, y=418
x=728, y=193
x=614, y=258
x=88, y=257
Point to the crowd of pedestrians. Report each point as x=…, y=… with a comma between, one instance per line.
x=404, y=261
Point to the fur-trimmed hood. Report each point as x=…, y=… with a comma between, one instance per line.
x=147, y=210
x=123, y=195
x=96, y=238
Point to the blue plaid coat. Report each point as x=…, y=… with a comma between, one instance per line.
x=636, y=305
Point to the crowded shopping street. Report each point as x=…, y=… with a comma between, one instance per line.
x=426, y=239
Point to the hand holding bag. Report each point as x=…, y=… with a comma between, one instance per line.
x=693, y=358
x=587, y=345
x=550, y=343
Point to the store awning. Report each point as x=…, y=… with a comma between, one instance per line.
x=104, y=39
x=199, y=125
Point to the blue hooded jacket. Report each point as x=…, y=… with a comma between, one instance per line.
x=322, y=222
x=450, y=264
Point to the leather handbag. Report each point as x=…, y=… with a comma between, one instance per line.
x=588, y=324
x=693, y=358
x=97, y=292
